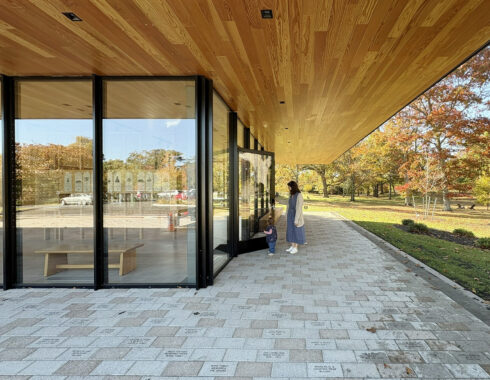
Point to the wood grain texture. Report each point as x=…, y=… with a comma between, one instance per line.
x=342, y=66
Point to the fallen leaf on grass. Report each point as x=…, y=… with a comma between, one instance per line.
x=371, y=330
x=408, y=270
x=409, y=371
x=387, y=365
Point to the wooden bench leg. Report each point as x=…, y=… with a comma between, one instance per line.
x=52, y=260
x=127, y=262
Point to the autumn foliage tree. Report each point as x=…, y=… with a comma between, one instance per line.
x=449, y=119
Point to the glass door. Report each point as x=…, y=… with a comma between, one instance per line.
x=255, y=185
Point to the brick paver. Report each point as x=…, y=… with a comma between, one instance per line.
x=340, y=308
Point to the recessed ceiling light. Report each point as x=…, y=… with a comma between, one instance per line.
x=282, y=102
x=177, y=103
x=71, y=16
x=286, y=128
x=266, y=13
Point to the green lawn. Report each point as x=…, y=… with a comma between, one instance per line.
x=468, y=266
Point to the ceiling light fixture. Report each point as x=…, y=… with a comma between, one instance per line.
x=282, y=102
x=266, y=13
x=71, y=16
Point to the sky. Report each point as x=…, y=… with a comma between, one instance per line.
x=121, y=136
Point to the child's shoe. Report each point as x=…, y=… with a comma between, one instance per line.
x=289, y=249
x=293, y=251
x=271, y=254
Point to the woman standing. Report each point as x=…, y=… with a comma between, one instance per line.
x=295, y=232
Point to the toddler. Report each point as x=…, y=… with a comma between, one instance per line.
x=271, y=236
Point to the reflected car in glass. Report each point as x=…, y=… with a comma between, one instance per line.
x=168, y=194
x=77, y=199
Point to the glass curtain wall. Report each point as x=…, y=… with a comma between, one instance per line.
x=53, y=135
x=221, y=185
x=149, y=143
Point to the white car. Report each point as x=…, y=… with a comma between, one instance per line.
x=168, y=193
x=77, y=199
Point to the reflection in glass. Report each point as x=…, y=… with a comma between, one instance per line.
x=240, y=134
x=53, y=132
x=255, y=173
x=149, y=133
x=221, y=175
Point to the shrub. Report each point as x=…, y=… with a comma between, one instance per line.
x=463, y=232
x=418, y=228
x=407, y=222
x=483, y=243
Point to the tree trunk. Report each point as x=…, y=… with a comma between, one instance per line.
x=389, y=185
x=353, y=189
x=325, y=186
x=394, y=191
x=407, y=196
x=382, y=188
x=445, y=200
x=375, y=191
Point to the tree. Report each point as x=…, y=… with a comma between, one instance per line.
x=328, y=174
x=446, y=115
x=482, y=190
x=284, y=174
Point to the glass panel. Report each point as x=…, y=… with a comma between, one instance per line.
x=255, y=173
x=53, y=132
x=240, y=133
x=149, y=147
x=221, y=175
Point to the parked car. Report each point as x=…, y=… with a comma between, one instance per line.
x=191, y=194
x=77, y=199
x=168, y=193
x=180, y=196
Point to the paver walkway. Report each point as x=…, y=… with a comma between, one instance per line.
x=341, y=307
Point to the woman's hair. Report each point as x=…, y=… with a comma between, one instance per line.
x=294, y=187
x=270, y=221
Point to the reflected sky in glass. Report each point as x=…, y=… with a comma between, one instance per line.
x=143, y=134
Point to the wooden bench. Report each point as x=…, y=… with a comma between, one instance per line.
x=276, y=214
x=56, y=257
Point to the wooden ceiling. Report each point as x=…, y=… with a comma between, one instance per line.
x=341, y=66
